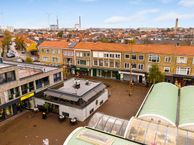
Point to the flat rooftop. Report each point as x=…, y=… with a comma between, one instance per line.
x=86, y=90
x=26, y=72
x=70, y=89
x=44, y=68
x=3, y=65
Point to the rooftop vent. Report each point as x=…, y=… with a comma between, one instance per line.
x=77, y=84
x=87, y=83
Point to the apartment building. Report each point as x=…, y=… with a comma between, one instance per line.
x=20, y=83
x=50, y=52
x=131, y=62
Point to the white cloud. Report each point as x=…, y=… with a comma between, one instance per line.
x=173, y=16
x=88, y=0
x=116, y=20
x=139, y=16
x=186, y=3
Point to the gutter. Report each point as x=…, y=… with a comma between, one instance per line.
x=138, y=112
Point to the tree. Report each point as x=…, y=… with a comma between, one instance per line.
x=155, y=75
x=6, y=42
x=20, y=44
x=60, y=34
x=29, y=60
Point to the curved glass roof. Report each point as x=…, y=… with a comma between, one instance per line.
x=87, y=136
x=161, y=102
x=108, y=124
x=186, y=115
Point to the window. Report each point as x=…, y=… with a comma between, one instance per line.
x=141, y=57
x=47, y=50
x=2, y=78
x=127, y=65
x=24, y=89
x=92, y=110
x=53, y=51
x=133, y=66
x=140, y=66
x=45, y=59
x=100, y=62
x=31, y=86
x=183, y=71
x=7, y=77
x=101, y=102
x=13, y=93
x=86, y=54
x=154, y=58
x=106, y=55
x=111, y=63
x=81, y=62
x=167, y=69
x=10, y=76
x=105, y=63
x=111, y=55
x=133, y=57
x=117, y=64
x=127, y=56
x=181, y=59
x=95, y=62
x=57, y=77
x=55, y=59
x=167, y=59
x=117, y=55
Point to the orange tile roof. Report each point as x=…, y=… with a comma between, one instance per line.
x=55, y=44
x=151, y=48
x=115, y=47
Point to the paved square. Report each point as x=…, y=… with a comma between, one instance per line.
x=31, y=129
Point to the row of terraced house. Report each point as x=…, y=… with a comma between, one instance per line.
x=121, y=61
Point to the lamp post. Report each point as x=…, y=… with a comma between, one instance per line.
x=130, y=75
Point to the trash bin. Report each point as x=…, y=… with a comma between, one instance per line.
x=44, y=116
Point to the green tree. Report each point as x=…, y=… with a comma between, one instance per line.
x=155, y=75
x=46, y=107
x=6, y=42
x=20, y=44
x=60, y=34
x=29, y=60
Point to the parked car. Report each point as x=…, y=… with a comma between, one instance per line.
x=10, y=55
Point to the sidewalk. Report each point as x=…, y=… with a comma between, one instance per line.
x=12, y=118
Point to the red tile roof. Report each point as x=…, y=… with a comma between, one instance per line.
x=115, y=47
x=151, y=48
x=55, y=44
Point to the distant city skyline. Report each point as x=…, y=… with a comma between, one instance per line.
x=97, y=13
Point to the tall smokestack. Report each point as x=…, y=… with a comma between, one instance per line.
x=79, y=21
x=177, y=24
x=57, y=23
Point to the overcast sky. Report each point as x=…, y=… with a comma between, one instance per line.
x=97, y=13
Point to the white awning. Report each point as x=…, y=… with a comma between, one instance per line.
x=128, y=73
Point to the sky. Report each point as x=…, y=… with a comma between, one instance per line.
x=97, y=13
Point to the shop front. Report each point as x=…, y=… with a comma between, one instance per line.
x=183, y=80
x=105, y=73
x=135, y=77
x=82, y=71
x=26, y=101
x=9, y=109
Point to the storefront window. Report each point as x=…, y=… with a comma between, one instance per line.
x=24, y=89
x=31, y=86
x=57, y=77
x=2, y=78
